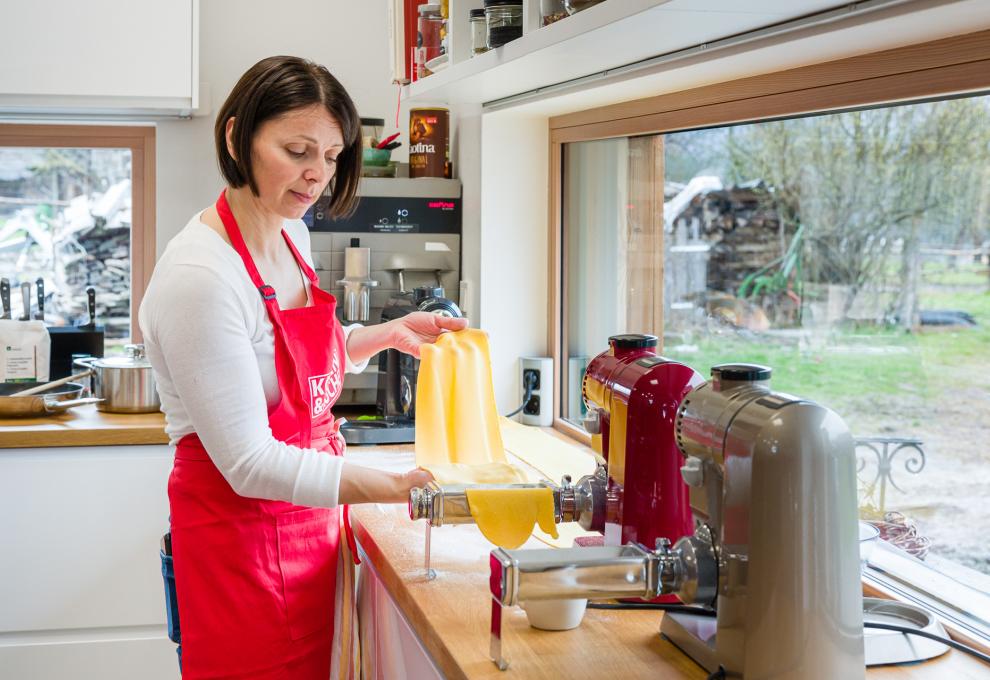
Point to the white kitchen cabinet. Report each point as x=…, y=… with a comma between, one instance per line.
x=80, y=576
x=99, y=57
x=390, y=650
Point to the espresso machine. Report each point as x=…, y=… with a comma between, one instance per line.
x=403, y=237
x=772, y=564
x=636, y=493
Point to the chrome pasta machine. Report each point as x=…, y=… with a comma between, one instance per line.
x=636, y=493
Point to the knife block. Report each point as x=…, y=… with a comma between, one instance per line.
x=69, y=340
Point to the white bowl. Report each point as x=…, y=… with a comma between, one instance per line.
x=554, y=614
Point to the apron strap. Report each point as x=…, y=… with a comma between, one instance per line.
x=349, y=533
x=237, y=241
x=301, y=261
x=270, y=301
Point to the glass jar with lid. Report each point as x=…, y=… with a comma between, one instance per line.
x=479, y=31
x=504, y=18
x=371, y=131
x=428, y=36
x=575, y=6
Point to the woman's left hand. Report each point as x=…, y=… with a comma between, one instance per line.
x=407, y=333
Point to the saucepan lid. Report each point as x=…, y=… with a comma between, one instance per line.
x=134, y=358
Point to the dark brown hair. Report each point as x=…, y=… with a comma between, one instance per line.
x=271, y=88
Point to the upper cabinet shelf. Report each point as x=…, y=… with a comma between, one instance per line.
x=609, y=35
x=100, y=57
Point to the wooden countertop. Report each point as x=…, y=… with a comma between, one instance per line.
x=451, y=614
x=83, y=426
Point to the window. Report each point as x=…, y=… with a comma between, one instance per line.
x=851, y=252
x=848, y=250
x=612, y=248
x=76, y=207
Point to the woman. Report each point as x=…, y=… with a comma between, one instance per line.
x=249, y=356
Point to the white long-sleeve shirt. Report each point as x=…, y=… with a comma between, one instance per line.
x=211, y=345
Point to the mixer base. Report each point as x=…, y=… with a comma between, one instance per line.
x=695, y=635
x=692, y=634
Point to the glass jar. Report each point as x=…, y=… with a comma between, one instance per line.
x=479, y=31
x=371, y=131
x=428, y=37
x=445, y=26
x=551, y=11
x=504, y=18
x=575, y=6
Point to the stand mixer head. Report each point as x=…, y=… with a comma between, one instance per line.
x=632, y=396
x=773, y=489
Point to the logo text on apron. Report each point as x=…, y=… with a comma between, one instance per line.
x=324, y=389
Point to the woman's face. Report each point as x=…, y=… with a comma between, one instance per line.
x=293, y=158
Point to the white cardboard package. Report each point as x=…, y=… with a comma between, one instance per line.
x=25, y=347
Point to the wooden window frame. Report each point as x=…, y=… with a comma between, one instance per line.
x=141, y=142
x=942, y=68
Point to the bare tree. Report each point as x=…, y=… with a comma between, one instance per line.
x=871, y=184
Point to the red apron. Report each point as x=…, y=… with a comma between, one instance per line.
x=256, y=579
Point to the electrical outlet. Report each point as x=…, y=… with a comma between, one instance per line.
x=536, y=391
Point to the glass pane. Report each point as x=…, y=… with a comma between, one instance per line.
x=611, y=226
x=65, y=216
x=851, y=252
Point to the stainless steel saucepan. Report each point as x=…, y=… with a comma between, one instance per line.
x=126, y=384
x=54, y=400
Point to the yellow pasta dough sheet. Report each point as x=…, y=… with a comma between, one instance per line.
x=506, y=516
x=552, y=458
x=456, y=420
x=459, y=441
x=487, y=473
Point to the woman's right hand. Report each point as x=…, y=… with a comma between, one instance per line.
x=360, y=484
x=417, y=478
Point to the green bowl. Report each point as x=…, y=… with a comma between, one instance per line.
x=372, y=156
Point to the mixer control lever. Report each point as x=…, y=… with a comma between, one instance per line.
x=591, y=422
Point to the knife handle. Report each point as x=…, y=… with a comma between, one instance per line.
x=5, y=297
x=91, y=303
x=40, y=287
x=26, y=301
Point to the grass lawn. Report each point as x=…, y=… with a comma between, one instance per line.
x=854, y=369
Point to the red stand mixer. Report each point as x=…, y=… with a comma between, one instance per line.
x=632, y=396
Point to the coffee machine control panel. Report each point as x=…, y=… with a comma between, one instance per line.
x=389, y=215
x=396, y=206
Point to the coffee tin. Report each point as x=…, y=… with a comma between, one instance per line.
x=429, y=142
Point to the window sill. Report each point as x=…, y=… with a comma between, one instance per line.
x=963, y=609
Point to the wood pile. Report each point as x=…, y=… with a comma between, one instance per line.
x=742, y=229
x=86, y=245
x=105, y=265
